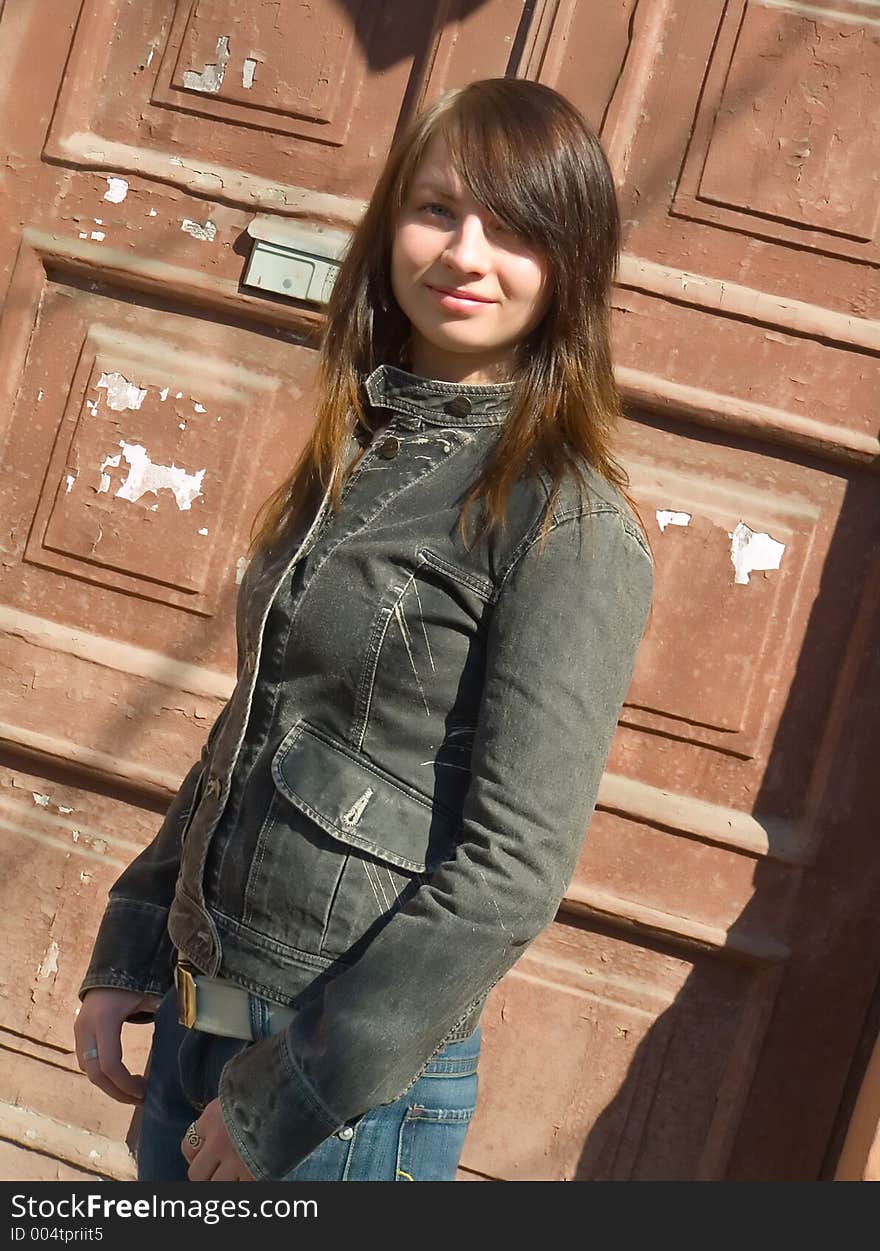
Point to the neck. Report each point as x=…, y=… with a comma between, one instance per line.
x=447, y=367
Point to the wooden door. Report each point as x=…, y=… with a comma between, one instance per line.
x=697, y=1008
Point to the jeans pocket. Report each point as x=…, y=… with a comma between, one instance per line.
x=431, y=1140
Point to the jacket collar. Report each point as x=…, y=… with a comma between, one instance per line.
x=439, y=403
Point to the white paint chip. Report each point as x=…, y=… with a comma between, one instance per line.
x=152, y=213
x=151, y=55
x=666, y=518
x=248, y=70
x=206, y=233
x=240, y=569
x=200, y=408
x=752, y=552
x=71, y=478
x=109, y=462
x=211, y=77
x=145, y=477
x=204, y=530
x=163, y=394
x=65, y=810
x=83, y=234
x=41, y=800
x=50, y=963
x=85, y=877
x=121, y=394
x=97, y=234
x=181, y=425
x=117, y=190
x=40, y=394
x=99, y=221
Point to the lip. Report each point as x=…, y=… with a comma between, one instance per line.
x=453, y=297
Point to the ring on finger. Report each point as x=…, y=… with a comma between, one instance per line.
x=90, y=1053
x=193, y=1137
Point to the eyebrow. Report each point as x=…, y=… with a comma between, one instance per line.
x=432, y=185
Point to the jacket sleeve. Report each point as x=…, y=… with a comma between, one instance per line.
x=132, y=950
x=560, y=650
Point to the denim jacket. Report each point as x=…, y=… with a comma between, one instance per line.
x=424, y=741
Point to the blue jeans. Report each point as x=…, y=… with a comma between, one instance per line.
x=419, y=1137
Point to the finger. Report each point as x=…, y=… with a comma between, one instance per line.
x=187, y=1150
x=203, y=1164
x=99, y=1079
x=226, y=1171
x=109, y=1044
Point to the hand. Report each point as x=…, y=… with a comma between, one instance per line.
x=98, y=1034
x=215, y=1159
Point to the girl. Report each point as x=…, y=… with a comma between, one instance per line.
x=435, y=637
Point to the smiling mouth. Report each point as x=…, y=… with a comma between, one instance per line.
x=459, y=295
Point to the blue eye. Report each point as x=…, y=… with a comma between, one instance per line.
x=435, y=209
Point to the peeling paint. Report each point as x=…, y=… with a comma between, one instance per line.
x=97, y=234
x=181, y=425
x=150, y=56
x=204, y=530
x=50, y=962
x=666, y=518
x=117, y=190
x=71, y=478
x=109, y=462
x=200, y=408
x=40, y=394
x=144, y=477
x=121, y=394
x=752, y=552
x=163, y=394
x=85, y=877
x=83, y=234
x=248, y=70
x=152, y=213
x=41, y=800
x=207, y=233
x=64, y=809
x=210, y=79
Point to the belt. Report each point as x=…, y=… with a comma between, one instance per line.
x=215, y=1006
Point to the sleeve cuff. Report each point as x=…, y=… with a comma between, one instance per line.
x=133, y=950
x=272, y=1115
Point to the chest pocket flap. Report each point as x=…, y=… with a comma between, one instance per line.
x=360, y=805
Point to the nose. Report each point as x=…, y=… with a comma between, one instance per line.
x=468, y=246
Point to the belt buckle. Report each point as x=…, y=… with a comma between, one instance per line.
x=185, y=984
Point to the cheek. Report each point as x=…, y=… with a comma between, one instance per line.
x=533, y=288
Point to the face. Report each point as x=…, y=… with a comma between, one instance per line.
x=471, y=288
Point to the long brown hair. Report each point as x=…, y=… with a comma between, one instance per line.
x=528, y=155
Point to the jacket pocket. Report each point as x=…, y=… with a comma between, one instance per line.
x=359, y=804
x=386, y=837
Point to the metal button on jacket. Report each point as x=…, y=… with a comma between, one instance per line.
x=389, y=447
x=458, y=406
x=346, y=1132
